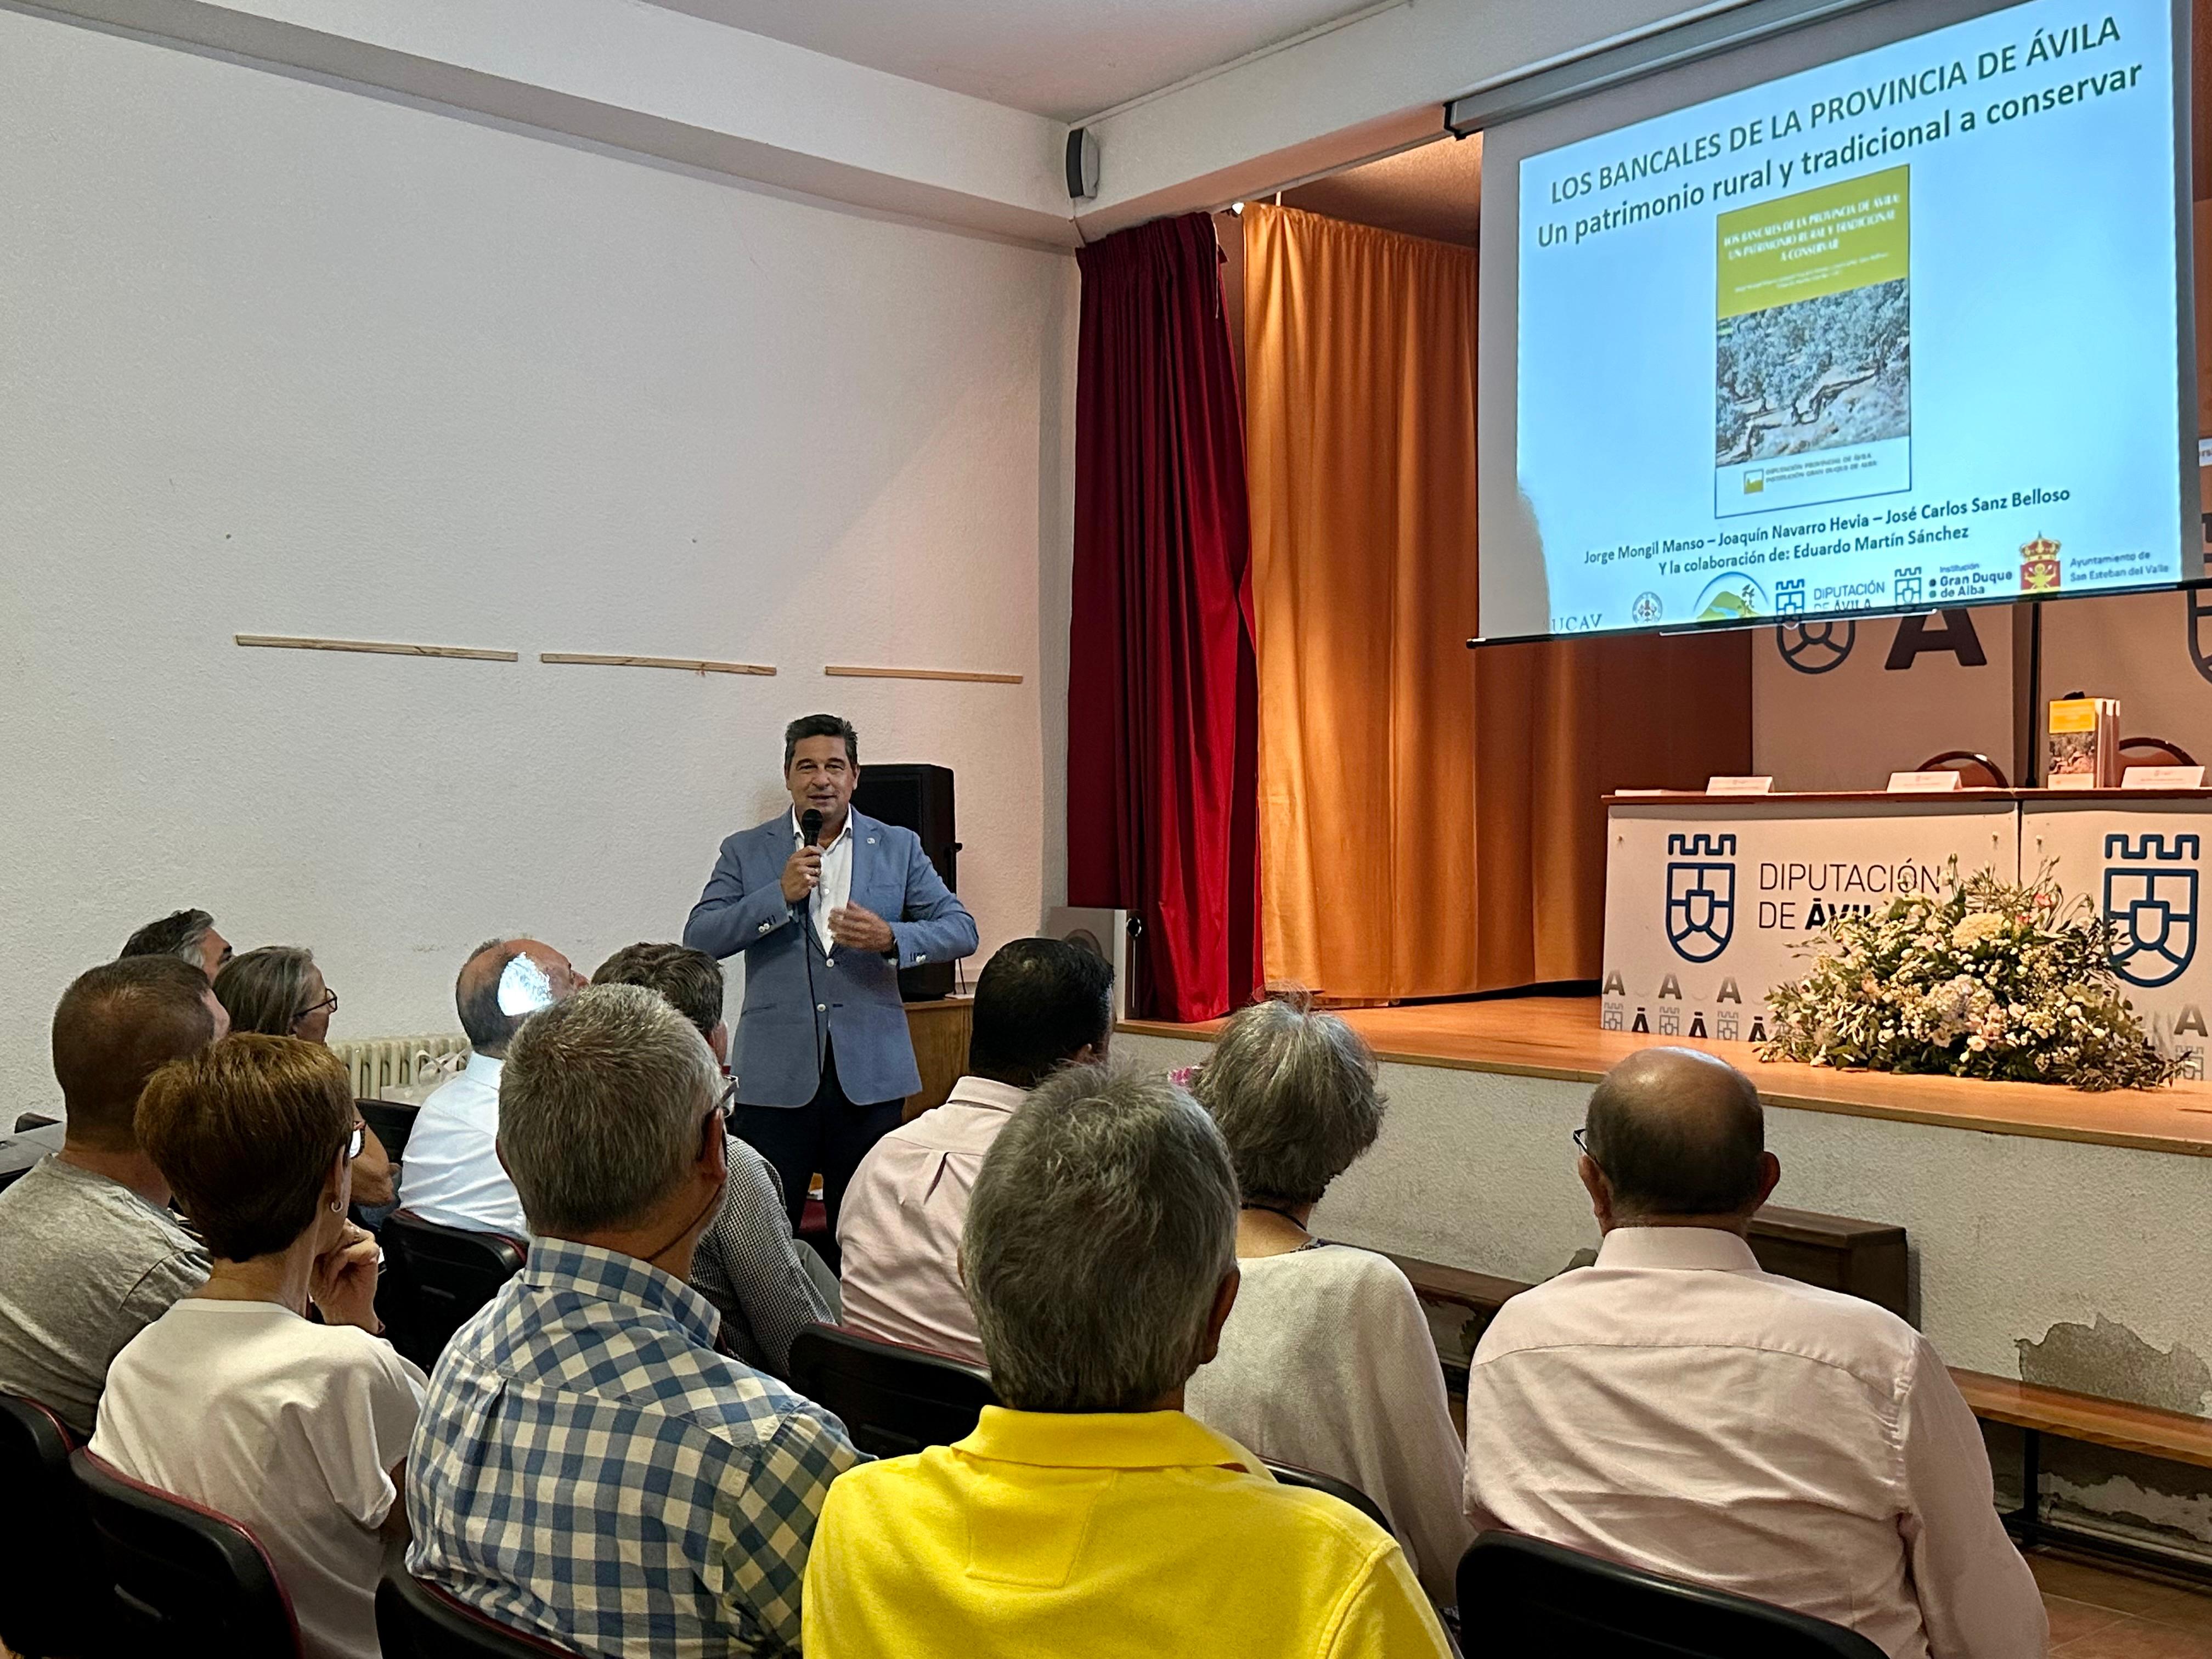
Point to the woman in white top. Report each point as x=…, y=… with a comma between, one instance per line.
x=233, y=1398
x=1327, y=1361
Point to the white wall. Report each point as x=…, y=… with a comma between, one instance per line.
x=281, y=357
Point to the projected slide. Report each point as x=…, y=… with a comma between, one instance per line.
x=1900, y=330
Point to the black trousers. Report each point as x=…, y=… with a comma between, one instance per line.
x=829, y=1135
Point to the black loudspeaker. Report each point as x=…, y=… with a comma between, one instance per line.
x=919, y=798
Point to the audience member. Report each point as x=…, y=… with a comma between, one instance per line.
x=1328, y=1361
x=188, y=935
x=233, y=1398
x=760, y=1278
x=1090, y=1515
x=93, y=1254
x=588, y=1467
x=451, y=1176
x=1675, y=1407
x=278, y=991
x=1040, y=1004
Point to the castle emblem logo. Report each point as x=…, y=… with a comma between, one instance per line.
x=1700, y=894
x=2039, y=566
x=2150, y=905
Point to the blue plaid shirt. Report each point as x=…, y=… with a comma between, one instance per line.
x=588, y=1467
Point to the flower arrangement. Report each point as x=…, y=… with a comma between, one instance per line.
x=1996, y=980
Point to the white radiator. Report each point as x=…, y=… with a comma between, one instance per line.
x=381, y=1063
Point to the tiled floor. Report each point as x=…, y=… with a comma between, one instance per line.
x=2096, y=1613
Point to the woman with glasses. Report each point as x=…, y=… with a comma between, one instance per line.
x=278, y=991
x=1327, y=1361
x=234, y=1399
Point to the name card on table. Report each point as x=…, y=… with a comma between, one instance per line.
x=1739, y=786
x=1923, y=783
x=2163, y=777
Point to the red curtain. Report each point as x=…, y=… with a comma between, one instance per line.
x=1163, y=687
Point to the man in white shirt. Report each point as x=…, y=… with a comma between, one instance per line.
x=451, y=1176
x=1676, y=1408
x=1040, y=1004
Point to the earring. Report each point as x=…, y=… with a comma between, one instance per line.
x=336, y=1208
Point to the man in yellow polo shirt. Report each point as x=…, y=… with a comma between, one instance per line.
x=1090, y=1516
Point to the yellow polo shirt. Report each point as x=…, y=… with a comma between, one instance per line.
x=1143, y=1534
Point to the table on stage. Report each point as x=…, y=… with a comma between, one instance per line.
x=1710, y=899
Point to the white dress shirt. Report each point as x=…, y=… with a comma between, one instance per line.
x=835, y=890
x=900, y=1228
x=451, y=1175
x=1326, y=1362
x=1676, y=1408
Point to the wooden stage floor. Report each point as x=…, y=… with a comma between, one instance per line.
x=1559, y=1038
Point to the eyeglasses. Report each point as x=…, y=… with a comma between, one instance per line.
x=329, y=1001
x=718, y=1115
x=1582, y=1145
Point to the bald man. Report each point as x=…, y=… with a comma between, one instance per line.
x=452, y=1174
x=1673, y=1408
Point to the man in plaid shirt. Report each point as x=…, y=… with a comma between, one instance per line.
x=587, y=1466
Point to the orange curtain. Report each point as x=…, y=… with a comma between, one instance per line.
x=1430, y=819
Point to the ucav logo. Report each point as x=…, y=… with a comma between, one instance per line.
x=2151, y=911
x=1700, y=895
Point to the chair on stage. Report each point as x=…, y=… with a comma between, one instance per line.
x=436, y=1279
x=1520, y=1594
x=1975, y=770
x=189, y=1583
x=52, y=1595
x=418, y=1620
x=894, y=1400
x=2153, y=752
x=1292, y=1475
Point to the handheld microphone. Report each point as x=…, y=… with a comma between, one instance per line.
x=810, y=825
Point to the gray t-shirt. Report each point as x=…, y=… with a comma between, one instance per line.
x=85, y=1264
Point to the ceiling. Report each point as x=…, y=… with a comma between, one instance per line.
x=1067, y=59
x=1435, y=190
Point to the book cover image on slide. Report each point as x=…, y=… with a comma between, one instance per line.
x=1813, y=367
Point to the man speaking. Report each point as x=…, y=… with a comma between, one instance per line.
x=825, y=906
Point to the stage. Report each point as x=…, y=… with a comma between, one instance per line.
x=2059, y=1237
x=1558, y=1037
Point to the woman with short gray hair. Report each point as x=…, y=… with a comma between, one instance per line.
x=1327, y=1360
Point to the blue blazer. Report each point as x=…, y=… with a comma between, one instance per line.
x=796, y=998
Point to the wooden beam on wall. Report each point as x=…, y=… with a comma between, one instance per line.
x=977, y=676
x=695, y=664
x=379, y=647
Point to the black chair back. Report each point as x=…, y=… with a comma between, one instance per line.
x=1291, y=1474
x=893, y=1400
x=392, y=1121
x=54, y=1596
x=416, y=1620
x=1530, y=1596
x=441, y=1277
x=188, y=1583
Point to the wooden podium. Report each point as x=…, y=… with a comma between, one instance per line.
x=941, y=1030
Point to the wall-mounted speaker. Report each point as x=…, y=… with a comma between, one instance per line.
x=1082, y=165
x=919, y=798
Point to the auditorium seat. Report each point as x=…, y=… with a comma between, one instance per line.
x=416, y=1620
x=392, y=1121
x=1522, y=1596
x=53, y=1598
x=436, y=1278
x=189, y=1583
x=1294, y=1474
x=894, y=1400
